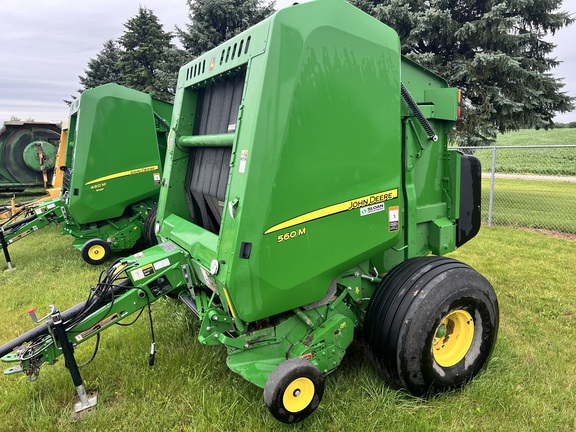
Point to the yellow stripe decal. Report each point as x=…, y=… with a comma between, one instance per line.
x=229, y=303
x=124, y=174
x=336, y=208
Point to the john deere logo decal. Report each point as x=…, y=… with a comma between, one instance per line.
x=212, y=64
x=369, y=204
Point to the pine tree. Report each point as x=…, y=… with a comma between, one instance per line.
x=146, y=49
x=215, y=21
x=104, y=68
x=494, y=50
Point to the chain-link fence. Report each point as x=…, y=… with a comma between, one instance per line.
x=529, y=186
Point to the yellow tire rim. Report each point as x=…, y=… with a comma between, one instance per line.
x=96, y=252
x=453, y=338
x=298, y=395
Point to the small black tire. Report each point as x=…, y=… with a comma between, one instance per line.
x=149, y=225
x=294, y=390
x=431, y=326
x=96, y=251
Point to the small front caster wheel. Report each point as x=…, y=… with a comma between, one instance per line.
x=95, y=251
x=294, y=390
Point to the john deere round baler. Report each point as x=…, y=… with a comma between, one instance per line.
x=113, y=166
x=307, y=181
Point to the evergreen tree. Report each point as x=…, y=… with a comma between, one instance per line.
x=104, y=68
x=215, y=21
x=494, y=50
x=146, y=49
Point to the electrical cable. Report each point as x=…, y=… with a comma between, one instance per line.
x=93, y=356
x=130, y=323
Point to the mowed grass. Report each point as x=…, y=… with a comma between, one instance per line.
x=537, y=137
x=538, y=161
x=529, y=385
x=538, y=204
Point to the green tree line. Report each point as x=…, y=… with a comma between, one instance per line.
x=146, y=59
x=495, y=51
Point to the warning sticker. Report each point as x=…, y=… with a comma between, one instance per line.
x=208, y=279
x=142, y=272
x=168, y=246
x=243, y=159
x=394, y=218
x=161, y=264
x=96, y=327
x=156, y=178
x=368, y=210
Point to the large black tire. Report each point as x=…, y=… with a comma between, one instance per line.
x=149, y=235
x=96, y=251
x=431, y=326
x=294, y=390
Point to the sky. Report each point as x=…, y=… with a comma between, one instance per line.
x=46, y=44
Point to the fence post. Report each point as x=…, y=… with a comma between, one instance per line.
x=491, y=204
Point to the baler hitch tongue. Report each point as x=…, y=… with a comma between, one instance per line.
x=418, y=113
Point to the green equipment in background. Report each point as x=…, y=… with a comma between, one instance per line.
x=112, y=174
x=27, y=154
x=307, y=181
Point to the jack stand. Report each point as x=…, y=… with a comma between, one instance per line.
x=86, y=401
x=5, y=249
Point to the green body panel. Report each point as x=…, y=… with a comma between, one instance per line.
x=317, y=135
x=112, y=153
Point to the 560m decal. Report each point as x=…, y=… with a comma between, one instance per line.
x=352, y=204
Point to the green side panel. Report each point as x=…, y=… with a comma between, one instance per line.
x=162, y=116
x=113, y=157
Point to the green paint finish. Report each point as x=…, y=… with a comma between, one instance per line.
x=108, y=178
x=309, y=95
x=40, y=156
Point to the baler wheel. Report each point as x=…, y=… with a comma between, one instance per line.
x=95, y=251
x=149, y=223
x=431, y=325
x=294, y=390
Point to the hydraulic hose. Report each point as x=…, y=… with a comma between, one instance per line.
x=67, y=315
x=15, y=225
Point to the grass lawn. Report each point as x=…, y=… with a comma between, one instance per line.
x=540, y=204
x=529, y=385
x=555, y=162
x=538, y=137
